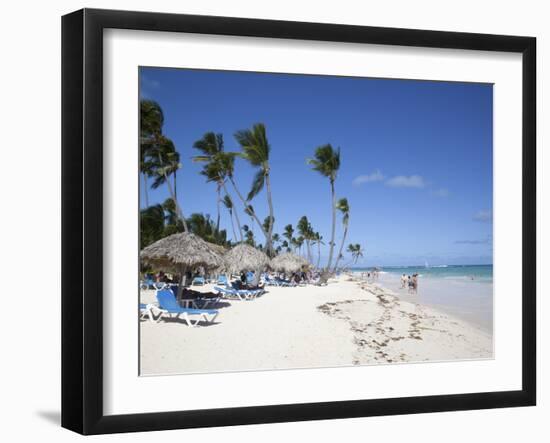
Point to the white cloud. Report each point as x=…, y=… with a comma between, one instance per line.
x=484, y=216
x=441, y=192
x=404, y=181
x=376, y=176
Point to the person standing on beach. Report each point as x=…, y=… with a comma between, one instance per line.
x=415, y=283
x=403, y=281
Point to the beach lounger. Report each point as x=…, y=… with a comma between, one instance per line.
x=240, y=294
x=168, y=305
x=286, y=283
x=159, y=285
x=198, y=281
x=199, y=300
x=270, y=281
x=146, y=310
x=253, y=292
x=222, y=280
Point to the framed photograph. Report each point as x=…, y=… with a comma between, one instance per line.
x=269, y=221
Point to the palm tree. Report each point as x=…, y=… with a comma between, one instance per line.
x=249, y=235
x=166, y=163
x=226, y=163
x=249, y=210
x=327, y=163
x=318, y=238
x=146, y=168
x=286, y=245
x=158, y=155
x=276, y=239
x=202, y=226
x=151, y=225
x=268, y=221
x=343, y=207
x=228, y=203
x=299, y=243
x=305, y=230
x=211, y=145
x=170, y=213
x=288, y=233
x=150, y=125
x=356, y=251
x=255, y=149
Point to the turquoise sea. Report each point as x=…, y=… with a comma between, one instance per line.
x=482, y=273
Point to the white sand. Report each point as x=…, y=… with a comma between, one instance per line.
x=341, y=324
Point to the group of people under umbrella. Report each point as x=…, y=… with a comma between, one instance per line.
x=183, y=253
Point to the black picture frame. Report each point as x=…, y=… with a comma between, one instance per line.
x=82, y=218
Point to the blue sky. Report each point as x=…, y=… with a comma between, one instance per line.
x=416, y=156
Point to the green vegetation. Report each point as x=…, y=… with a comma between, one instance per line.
x=159, y=166
x=327, y=163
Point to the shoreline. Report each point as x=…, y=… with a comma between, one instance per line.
x=346, y=323
x=468, y=300
x=398, y=330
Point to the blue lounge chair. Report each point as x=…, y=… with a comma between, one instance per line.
x=240, y=294
x=168, y=305
x=270, y=281
x=198, y=281
x=159, y=285
x=222, y=280
x=282, y=282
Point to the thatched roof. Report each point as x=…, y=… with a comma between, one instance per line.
x=244, y=257
x=288, y=262
x=221, y=250
x=181, y=251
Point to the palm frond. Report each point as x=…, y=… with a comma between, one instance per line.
x=257, y=185
x=254, y=144
x=326, y=161
x=227, y=202
x=210, y=144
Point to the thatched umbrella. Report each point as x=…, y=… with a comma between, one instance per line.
x=221, y=250
x=288, y=262
x=181, y=253
x=244, y=257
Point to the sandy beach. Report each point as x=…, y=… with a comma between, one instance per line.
x=347, y=322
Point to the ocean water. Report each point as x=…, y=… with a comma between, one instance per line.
x=481, y=273
x=465, y=292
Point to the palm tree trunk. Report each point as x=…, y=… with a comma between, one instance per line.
x=318, y=253
x=178, y=208
x=236, y=215
x=308, y=246
x=145, y=190
x=341, y=248
x=270, y=204
x=233, y=225
x=218, y=208
x=176, y=184
x=331, y=250
x=254, y=217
